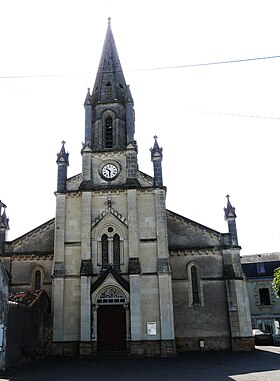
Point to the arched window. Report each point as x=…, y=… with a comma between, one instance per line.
x=37, y=283
x=37, y=278
x=195, y=287
x=116, y=252
x=104, y=251
x=111, y=295
x=109, y=132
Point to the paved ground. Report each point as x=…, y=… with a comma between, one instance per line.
x=260, y=365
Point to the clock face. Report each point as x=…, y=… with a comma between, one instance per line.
x=109, y=171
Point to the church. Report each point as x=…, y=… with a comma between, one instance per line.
x=123, y=273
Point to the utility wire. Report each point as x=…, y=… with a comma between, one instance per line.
x=236, y=115
x=209, y=63
x=148, y=69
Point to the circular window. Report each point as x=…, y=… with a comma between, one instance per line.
x=110, y=229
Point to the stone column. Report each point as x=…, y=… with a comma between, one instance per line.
x=161, y=224
x=58, y=310
x=164, y=278
x=133, y=236
x=58, y=272
x=134, y=270
x=135, y=308
x=86, y=273
x=238, y=302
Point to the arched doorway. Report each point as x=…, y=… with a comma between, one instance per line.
x=111, y=321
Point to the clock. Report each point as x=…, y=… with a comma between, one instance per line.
x=109, y=171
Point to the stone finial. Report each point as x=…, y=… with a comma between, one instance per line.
x=62, y=156
x=62, y=164
x=4, y=220
x=156, y=151
x=229, y=210
x=230, y=217
x=87, y=101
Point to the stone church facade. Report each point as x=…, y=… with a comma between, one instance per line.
x=125, y=274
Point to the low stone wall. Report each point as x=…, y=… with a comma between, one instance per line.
x=194, y=344
x=159, y=348
x=68, y=348
x=153, y=348
x=243, y=344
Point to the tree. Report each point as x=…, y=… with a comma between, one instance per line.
x=276, y=282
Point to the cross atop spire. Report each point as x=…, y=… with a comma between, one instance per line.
x=62, y=156
x=156, y=157
x=230, y=217
x=156, y=151
x=229, y=210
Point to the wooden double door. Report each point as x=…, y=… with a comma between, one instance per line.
x=111, y=328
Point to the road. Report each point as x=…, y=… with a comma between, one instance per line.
x=261, y=365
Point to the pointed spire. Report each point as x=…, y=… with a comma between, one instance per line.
x=230, y=217
x=128, y=96
x=88, y=119
x=4, y=220
x=4, y=226
x=62, y=164
x=156, y=151
x=62, y=156
x=229, y=210
x=156, y=157
x=110, y=85
x=87, y=101
x=2, y=206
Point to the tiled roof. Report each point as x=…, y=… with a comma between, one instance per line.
x=26, y=298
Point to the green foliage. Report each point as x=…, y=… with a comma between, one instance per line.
x=276, y=282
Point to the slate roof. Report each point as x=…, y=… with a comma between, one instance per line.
x=264, y=257
x=270, y=261
x=38, y=241
x=110, y=82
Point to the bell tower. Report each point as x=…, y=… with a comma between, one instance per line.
x=111, y=263
x=109, y=149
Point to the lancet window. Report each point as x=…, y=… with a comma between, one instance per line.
x=105, y=254
x=195, y=286
x=111, y=250
x=109, y=132
x=37, y=280
x=116, y=252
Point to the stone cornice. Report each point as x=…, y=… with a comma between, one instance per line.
x=209, y=251
x=32, y=257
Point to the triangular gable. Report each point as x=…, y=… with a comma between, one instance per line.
x=111, y=213
x=110, y=272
